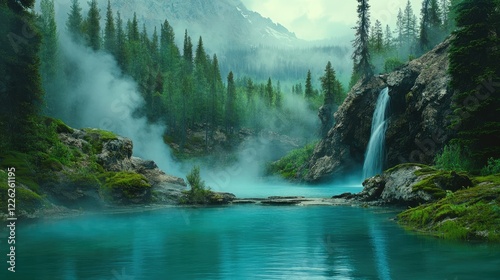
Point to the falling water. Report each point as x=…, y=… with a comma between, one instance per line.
x=374, y=159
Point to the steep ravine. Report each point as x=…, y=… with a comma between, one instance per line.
x=418, y=124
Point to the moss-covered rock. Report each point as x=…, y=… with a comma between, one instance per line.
x=125, y=187
x=97, y=138
x=59, y=125
x=26, y=201
x=411, y=185
x=468, y=214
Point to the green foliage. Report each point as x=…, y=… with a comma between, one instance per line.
x=26, y=200
x=74, y=23
x=199, y=193
x=290, y=166
x=392, y=64
x=361, y=55
x=125, y=186
x=25, y=168
x=493, y=167
x=453, y=158
x=21, y=93
x=474, y=71
x=469, y=214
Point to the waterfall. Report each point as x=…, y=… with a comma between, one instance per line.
x=375, y=152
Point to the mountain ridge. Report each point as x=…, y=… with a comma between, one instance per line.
x=224, y=24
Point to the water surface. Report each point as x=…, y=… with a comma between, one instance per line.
x=243, y=242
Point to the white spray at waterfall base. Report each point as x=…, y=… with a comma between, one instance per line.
x=375, y=153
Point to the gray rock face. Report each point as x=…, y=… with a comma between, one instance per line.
x=115, y=155
x=404, y=185
x=418, y=124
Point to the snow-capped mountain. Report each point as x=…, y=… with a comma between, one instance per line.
x=221, y=23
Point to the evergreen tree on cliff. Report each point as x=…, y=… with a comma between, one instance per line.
x=361, y=43
x=328, y=84
x=21, y=93
x=475, y=72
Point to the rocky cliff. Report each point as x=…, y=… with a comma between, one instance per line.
x=105, y=172
x=418, y=124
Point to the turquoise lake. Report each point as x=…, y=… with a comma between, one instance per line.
x=243, y=242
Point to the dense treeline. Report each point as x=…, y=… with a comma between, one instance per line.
x=475, y=71
x=21, y=94
x=182, y=88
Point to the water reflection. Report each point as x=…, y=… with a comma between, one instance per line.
x=380, y=248
x=244, y=242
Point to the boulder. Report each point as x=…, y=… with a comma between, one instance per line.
x=409, y=185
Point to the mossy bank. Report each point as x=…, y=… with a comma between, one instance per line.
x=467, y=214
x=82, y=169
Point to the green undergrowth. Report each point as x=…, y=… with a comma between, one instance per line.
x=467, y=214
x=124, y=186
x=290, y=166
x=26, y=200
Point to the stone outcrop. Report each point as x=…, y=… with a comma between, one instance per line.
x=409, y=185
x=79, y=186
x=418, y=124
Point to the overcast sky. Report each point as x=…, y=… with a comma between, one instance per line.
x=322, y=19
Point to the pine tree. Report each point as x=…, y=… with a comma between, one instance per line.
x=409, y=25
x=388, y=38
x=328, y=84
x=361, y=55
x=169, y=52
x=133, y=30
x=110, y=31
x=269, y=93
x=120, y=51
x=378, y=37
x=278, y=97
x=430, y=25
x=75, y=21
x=155, y=46
x=232, y=119
x=474, y=69
x=93, y=27
x=215, y=95
x=400, y=29
x=49, y=53
x=188, y=52
x=309, y=93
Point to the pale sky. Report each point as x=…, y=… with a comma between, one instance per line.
x=324, y=19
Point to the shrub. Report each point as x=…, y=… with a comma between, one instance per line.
x=492, y=167
x=392, y=64
x=199, y=193
x=453, y=158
